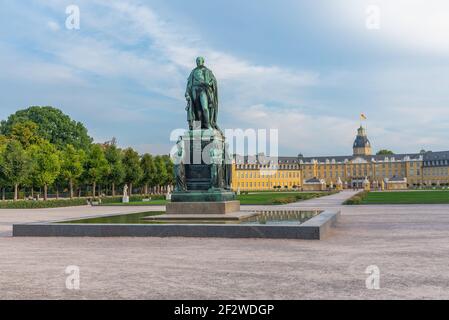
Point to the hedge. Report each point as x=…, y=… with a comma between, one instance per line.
x=357, y=198
x=300, y=197
x=31, y=204
x=285, y=200
x=135, y=198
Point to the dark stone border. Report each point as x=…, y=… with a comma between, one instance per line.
x=203, y=196
x=314, y=229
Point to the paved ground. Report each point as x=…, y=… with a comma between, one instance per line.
x=8, y=217
x=409, y=244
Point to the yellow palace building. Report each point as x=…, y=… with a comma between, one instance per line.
x=362, y=169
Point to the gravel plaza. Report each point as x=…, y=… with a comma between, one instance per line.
x=408, y=244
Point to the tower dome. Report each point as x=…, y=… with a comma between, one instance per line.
x=361, y=146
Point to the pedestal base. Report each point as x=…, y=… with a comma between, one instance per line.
x=203, y=196
x=195, y=208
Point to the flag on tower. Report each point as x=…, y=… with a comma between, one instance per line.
x=362, y=116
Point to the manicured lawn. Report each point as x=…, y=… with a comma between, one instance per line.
x=256, y=198
x=268, y=198
x=407, y=197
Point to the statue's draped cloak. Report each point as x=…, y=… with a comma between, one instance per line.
x=210, y=84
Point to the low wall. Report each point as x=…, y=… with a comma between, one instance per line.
x=316, y=228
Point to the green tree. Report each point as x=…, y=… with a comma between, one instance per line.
x=25, y=132
x=169, y=168
x=385, y=152
x=3, y=182
x=148, y=171
x=116, y=170
x=46, y=164
x=53, y=125
x=96, y=166
x=14, y=165
x=161, y=171
x=131, y=164
x=72, y=161
x=3, y=140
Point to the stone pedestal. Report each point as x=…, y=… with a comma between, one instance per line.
x=208, y=208
x=203, y=176
x=206, y=168
x=203, y=196
x=125, y=199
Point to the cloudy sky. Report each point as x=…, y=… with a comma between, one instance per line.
x=307, y=68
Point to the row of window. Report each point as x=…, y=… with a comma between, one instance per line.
x=436, y=171
x=366, y=166
x=268, y=166
x=309, y=167
x=381, y=171
x=277, y=174
x=267, y=184
x=364, y=172
x=431, y=163
x=372, y=160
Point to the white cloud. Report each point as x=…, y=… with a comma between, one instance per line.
x=54, y=26
x=181, y=50
x=132, y=46
x=301, y=132
x=34, y=70
x=421, y=26
x=164, y=66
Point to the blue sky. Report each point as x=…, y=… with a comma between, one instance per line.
x=306, y=68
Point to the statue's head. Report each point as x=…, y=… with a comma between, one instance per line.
x=200, y=61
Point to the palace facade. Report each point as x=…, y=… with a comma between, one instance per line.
x=361, y=169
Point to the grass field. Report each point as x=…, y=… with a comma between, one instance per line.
x=270, y=198
x=406, y=197
x=256, y=198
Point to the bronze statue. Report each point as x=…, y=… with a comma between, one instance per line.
x=202, y=97
x=227, y=167
x=178, y=167
x=216, y=167
x=202, y=163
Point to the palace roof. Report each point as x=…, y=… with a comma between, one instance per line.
x=435, y=158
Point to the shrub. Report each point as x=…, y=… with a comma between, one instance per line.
x=136, y=198
x=30, y=204
x=357, y=198
x=285, y=200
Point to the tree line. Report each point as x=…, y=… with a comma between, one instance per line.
x=42, y=148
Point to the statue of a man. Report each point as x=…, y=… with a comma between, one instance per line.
x=202, y=95
x=178, y=167
x=227, y=167
x=216, y=167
